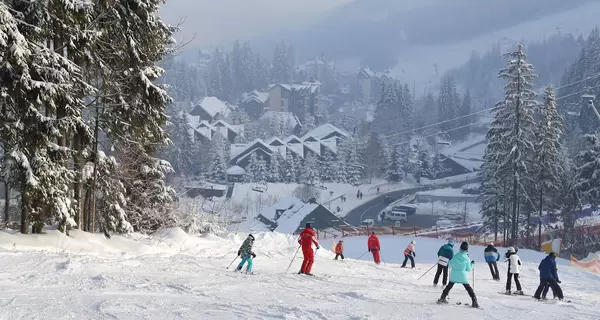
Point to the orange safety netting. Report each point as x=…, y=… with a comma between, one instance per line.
x=592, y=266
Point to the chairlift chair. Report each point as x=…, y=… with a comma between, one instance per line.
x=260, y=187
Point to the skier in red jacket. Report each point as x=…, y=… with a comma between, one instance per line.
x=307, y=238
x=374, y=247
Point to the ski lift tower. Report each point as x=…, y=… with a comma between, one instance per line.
x=590, y=103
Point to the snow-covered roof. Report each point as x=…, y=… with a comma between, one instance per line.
x=207, y=186
x=236, y=149
x=297, y=148
x=324, y=130
x=261, y=97
x=212, y=106
x=366, y=71
x=284, y=117
x=241, y=148
x=291, y=219
x=314, y=146
x=292, y=139
x=331, y=144
x=312, y=86
x=239, y=128
x=286, y=203
x=273, y=140
x=236, y=170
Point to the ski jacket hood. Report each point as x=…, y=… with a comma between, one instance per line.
x=373, y=243
x=548, y=268
x=460, y=266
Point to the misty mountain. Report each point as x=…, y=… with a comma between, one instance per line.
x=376, y=31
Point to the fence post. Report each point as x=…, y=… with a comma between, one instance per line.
x=393, y=231
x=415, y=231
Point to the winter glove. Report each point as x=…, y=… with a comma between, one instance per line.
x=318, y=247
x=472, y=262
x=253, y=255
x=239, y=252
x=414, y=254
x=558, y=281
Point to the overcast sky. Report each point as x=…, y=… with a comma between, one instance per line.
x=221, y=21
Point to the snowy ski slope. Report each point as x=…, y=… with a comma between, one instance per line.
x=175, y=276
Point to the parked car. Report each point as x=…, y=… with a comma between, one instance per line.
x=444, y=223
x=367, y=223
x=408, y=208
x=453, y=216
x=395, y=215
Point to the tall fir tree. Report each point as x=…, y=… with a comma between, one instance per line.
x=310, y=170
x=448, y=104
x=587, y=168
x=465, y=121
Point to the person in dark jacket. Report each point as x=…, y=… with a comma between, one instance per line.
x=245, y=252
x=491, y=256
x=445, y=254
x=549, y=276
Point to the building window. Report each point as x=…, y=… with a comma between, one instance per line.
x=282, y=103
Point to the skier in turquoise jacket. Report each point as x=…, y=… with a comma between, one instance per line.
x=445, y=254
x=460, y=265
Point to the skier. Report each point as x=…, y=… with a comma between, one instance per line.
x=445, y=254
x=374, y=247
x=339, y=250
x=409, y=253
x=460, y=265
x=547, y=287
x=513, y=270
x=549, y=277
x=245, y=252
x=307, y=239
x=491, y=257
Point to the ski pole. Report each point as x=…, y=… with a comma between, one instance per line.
x=426, y=272
x=232, y=262
x=473, y=277
x=294, y=257
x=382, y=259
x=362, y=255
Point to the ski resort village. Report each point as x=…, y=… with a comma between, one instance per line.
x=321, y=159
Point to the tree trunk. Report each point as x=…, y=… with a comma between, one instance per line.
x=540, y=221
x=496, y=221
x=6, y=202
x=529, y=237
x=24, y=209
x=95, y=173
x=77, y=185
x=505, y=216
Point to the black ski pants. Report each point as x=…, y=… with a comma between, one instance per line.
x=548, y=282
x=441, y=269
x=509, y=277
x=494, y=270
x=339, y=255
x=412, y=260
x=451, y=284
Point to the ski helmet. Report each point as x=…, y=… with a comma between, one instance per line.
x=413, y=242
x=511, y=250
x=451, y=243
x=464, y=246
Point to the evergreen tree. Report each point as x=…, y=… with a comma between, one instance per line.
x=587, y=168
x=251, y=169
x=374, y=157
x=310, y=170
x=282, y=71
x=437, y=165
x=548, y=156
x=448, y=104
x=262, y=171
x=275, y=168
x=395, y=166
x=180, y=151
x=327, y=166
x=465, y=121
x=228, y=80
x=215, y=82
x=425, y=163
x=510, y=139
x=288, y=168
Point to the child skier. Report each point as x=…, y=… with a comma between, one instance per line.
x=245, y=252
x=549, y=277
x=409, y=253
x=460, y=265
x=374, y=247
x=307, y=239
x=513, y=270
x=339, y=250
x=491, y=256
x=445, y=254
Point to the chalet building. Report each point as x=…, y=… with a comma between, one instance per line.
x=298, y=99
x=210, y=109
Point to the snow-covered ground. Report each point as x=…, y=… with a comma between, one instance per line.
x=175, y=276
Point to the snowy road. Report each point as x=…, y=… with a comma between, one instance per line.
x=188, y=280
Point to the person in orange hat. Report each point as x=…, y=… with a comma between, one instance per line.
x=339, y=250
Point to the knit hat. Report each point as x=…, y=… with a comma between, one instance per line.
x=464, y=246
x=309, y=225
x=553, y=254
x=413, y=242
x=451, y=243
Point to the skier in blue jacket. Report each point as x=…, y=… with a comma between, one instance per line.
x=445, y=254
x=549, y=276
x=460, y=265
x=491, y=257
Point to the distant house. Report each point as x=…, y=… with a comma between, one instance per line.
x=291, y=214
x=206, y=190
x=210, y=109
x=255, y=103
x=287, y=119
x=299, y=99
x=235, y=174
x=369, y=82
x=203, y=131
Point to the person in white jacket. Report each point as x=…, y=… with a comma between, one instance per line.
x=514, y=264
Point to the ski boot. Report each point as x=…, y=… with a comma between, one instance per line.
x=435, y=285
x=300, y=272
x=519, y=293
x=442, y=300
x=507, y=292
x=474, y=303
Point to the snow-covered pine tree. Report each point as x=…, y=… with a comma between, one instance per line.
x=310, y=170
x=275, y=167
x=356, y=162
x=374, y=157
x=180, y=151
x=587, y=168
x=217, y=170
x=287, y=168
x=229, y=84
x=214, y=81
x=510, y=139
x=327, y=166
x=298, y=165
x=464, y=122
x=395, y=165
x=548, y=159
x=133, y=41
x=281, y=71
x=262, y=171
x=447, y=104
x=425, y=163
x=251, y=168
x=437, y=165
